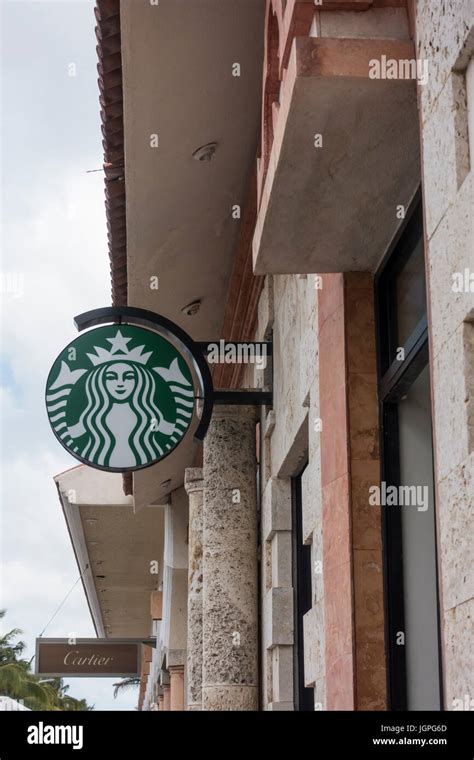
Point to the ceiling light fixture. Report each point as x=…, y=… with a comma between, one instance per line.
x=192, y=308
x=205, y=152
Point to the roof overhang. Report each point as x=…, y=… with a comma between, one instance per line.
x=179, y=93
x=114, y=548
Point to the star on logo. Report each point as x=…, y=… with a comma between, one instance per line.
x=119, y=343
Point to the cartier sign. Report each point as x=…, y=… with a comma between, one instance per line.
x=88, y=657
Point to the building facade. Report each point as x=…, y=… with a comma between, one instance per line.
x=297, y=174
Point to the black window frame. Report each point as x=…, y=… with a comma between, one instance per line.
x=395, y=377
x=303, y=696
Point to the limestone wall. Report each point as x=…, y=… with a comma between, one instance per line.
x=445, y=37
x=289, y=437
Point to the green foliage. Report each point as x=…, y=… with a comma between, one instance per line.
x=18, y=682
x=126, y=683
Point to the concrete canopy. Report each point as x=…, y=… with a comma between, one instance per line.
x=179, y=93
x=333, y=207
x=117, y=545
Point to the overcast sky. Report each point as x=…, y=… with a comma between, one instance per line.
x=54, y=266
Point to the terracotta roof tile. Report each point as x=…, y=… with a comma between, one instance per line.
x=109, y=67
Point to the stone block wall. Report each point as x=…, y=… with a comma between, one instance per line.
x=289, y=436
x=325, y=413
x=445, y=37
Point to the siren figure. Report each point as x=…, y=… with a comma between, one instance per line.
x=121, y=414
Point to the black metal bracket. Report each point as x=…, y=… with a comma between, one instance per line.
x=246, y=397
x=194, y=351
x=169, y=330
x=149, y=642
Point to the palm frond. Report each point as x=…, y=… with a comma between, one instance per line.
x=126, y=683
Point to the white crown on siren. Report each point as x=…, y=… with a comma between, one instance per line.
x=119, y=352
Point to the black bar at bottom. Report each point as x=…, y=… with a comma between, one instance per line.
x=409, y=735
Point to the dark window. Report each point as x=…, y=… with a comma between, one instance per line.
x=303, y=697
x=408, y=518
x=402, y=295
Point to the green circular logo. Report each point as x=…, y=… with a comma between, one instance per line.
x=120, y=397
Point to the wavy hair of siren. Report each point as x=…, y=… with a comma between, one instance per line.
x=99, y=404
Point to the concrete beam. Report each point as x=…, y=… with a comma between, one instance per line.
x=333, y=207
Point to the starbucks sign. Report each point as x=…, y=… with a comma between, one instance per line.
x=120, y=397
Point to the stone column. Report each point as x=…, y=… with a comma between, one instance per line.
x=193, y=483
x=230, y=590
x=176, y=687
x=166, y=698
